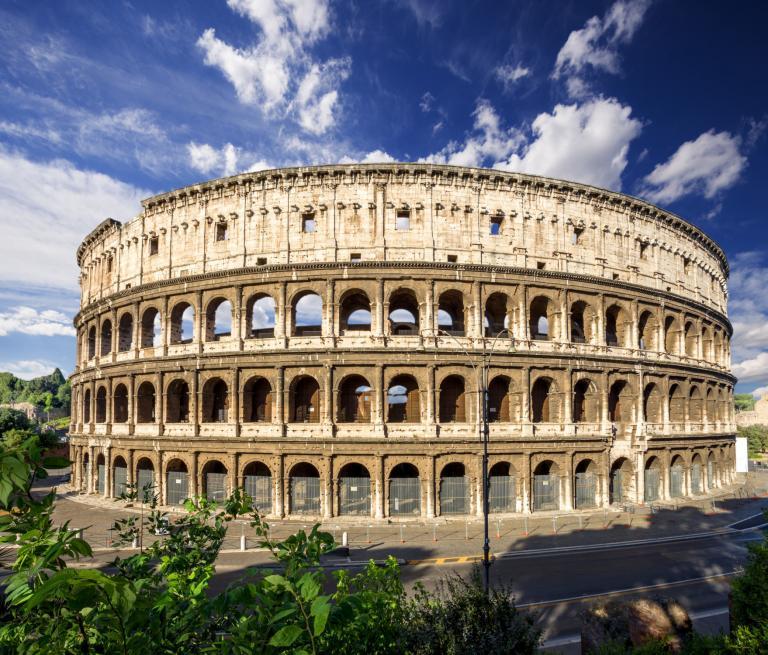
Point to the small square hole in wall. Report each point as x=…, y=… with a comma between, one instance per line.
x=308, y=223
x=615, y=276
x=453, y=259
x=261, y=261
x=355, y=257
x=686, y=265
x=540, y=266
x=154, y=246
x=109, y=264
x=221, y=232
x=128, y=286
x=403, y=219
x=496, y=225
x=576, y=235
x=643, y=251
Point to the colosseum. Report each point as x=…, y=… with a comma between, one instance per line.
x=324, y=337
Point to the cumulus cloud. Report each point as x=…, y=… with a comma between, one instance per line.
x=373, y=157
x=48, y=208
x=707, y=165
x=759, y=392
x=277, y=73
x=508, y=75
x=595, y=46
x=26, y=369
x=27, y=320
x=753, y=369
x=226, y=160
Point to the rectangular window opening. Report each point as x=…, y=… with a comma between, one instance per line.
x=221, y=232
x=308, y=223
x=109, y=265
x=154, y=245
x=261, y=261
x=615, y=276
x=355, y=257
x=576, y=236
x=540, y=266
x=403, y=219
x=453, y=259
x=496, y=225
x=643, y=251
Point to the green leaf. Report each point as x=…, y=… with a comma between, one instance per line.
x=321, y=609
x=309, y=587
x=285, y=636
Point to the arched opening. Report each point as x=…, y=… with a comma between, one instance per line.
x=308, y=315
x=177, y=406
x=691, y=339
x=215, y=401
x=260, y=316
x=182, y=323
x=145, y=403
x=647, y=332
x=652, y=404
x=119, y=477
x=125, y=333
x=87, y=472
x=355, y=400
x=453, y=404
x=218, y=319
x=403, y=400
x=543, y=405
x=355, y=313
x=403, y=313
x=706, y=344
x=501, y=488
x=257, y=480
x=581, y=322
x=87, y=406
x=711, y=470
x=404, y=491
x=619, y=411
x=585, y=404
x=652, y=479
x=540, y=318
x=677, y=477
x=671, y=336
x=546, y=487
x=354, y=490
x=101, y=475
x=496, y=318
x=499, y=400
x=585, y=486
x=145, y=479
x=304, y=482
x=450, y=313
x=151, y=330
x=711, y=406
x=215, y=481
x=101, y=405
x=695, y=406
x=676, y=405
x=92, y=342
x=621, y=481
x=257, y=401
x=616, y=326
x=454, y=490
x=120, y=404
x=106, y=338
x=305, y=395
x=696, y=479
x=718, y=358
x=176, y=482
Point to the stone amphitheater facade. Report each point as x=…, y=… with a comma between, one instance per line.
x=318, y=336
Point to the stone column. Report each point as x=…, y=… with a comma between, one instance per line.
x=108, y=472
x=194, y=398
x=430, y=311
x=281, y=320
x=568, y=397
x=328, y=489
x=380, y=318
x=136, y=332
x=327, y=415
x=567, y=501
x=160, y=409
x=380, y=407
x=279, y=416
x=526, y=396
x=328, y=306
x=477, y=330
x=634, y=329
x=565, y=323
x=378, y=510
x=429, y=488
x=199, y=331
x=238, y=334
x=639, y=479
x=431, y=413
x=525, y=487
x=601, y=321
x=235, y=412
x=279, y=509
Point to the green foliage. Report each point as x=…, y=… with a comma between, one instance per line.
x=12, y=419
x=744, y=402
x=750, y=590
x=46, y=392
x=461, y=620
x=757, y=438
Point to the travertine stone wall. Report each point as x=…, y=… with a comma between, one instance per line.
x=602, y=319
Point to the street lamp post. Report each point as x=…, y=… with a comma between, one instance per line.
x=482, y=376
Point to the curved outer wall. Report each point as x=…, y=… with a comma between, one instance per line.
x=604, y=316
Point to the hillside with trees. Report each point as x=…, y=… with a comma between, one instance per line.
x=46, y=392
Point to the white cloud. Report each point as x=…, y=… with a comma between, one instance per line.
x=277, y=73
x=27, y=320
x=759, y=392
x=29, y=131
x=223, y=161
x=508, y=75
x=426, y=103
x=596, y=44
x=26, y=369
x=47, y=208
x=754, y=369
x=373, y=157
x=426, y=12
x=707, y=165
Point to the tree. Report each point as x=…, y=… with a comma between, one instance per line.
x=12, y=419
x=757, y=438
x=744, y=402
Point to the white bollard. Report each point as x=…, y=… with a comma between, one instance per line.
x=344, y=540
x=242, y=542
x=135, y=542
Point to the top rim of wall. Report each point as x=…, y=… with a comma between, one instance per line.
x=479, y=174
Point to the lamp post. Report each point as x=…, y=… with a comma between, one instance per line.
x=482, y=377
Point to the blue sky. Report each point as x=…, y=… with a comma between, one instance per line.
x=104, y=103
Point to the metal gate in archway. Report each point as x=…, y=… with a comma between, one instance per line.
x=176, y=487
x=696, y=479
x=216, y=486
x=454, y=495
x=545, y=492
x=617, y=486
x=259, y=487
x=676, y=481
x=88, y=475
x=652, y=484
x=404, y=497
x=305, y=495
x=354, y=496
x=586, y=490
x=120, y=480
x=501, y=493
x=710, y=475
x=145, y=484
x=101, y=480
